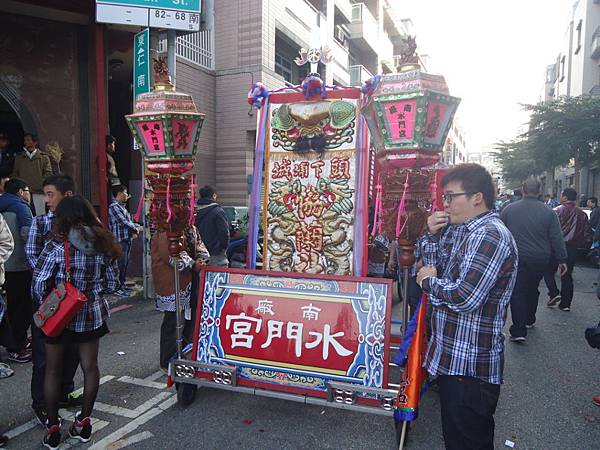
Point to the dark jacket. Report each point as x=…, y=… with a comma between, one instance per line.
x=574, y=224
x=212, y=224
x=7, y=161
x=536, y=230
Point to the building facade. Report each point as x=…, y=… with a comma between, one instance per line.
x=576, y=72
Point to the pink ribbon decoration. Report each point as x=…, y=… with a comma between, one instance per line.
x=402, y=210
x=138, y=214
x=169, y=200
x=377, y=225
x=193, y=186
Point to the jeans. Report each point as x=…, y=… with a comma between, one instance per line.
x=524, y=300
x=468, y=406
x=70, y=363
x=566, y=281
x=19, y=306
x=124, y=262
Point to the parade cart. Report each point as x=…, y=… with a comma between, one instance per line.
x=309, y=326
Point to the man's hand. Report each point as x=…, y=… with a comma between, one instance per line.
x=424, y=272
x=437, y=221
x=562, y=269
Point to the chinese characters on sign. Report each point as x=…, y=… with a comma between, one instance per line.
x=435, y=112
x=244, y=329
x=152, y=132
x=141, y=63
x=314, y=202
x=295, y=330
x=401, y=116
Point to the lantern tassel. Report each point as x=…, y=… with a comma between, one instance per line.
x=377, y=213
x=169, y=217
x=193, y=200
x=402, y=210
x=138, y=213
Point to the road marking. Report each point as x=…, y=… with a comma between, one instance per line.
x=132, y=413
x=104, y=379
x=134, y=424
x=143, y=383
x=66, y=415
x=121, y=443
x=155, y=376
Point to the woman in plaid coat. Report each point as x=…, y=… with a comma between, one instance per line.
x=93, y=269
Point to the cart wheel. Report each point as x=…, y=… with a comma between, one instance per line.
x=186, y=393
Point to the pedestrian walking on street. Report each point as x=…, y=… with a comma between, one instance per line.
x=56, y=188
x=124, y=229
x=192, y=258
x=6, y=248
x=33, y=166
x=577, y=233
x=213, y=227
x=14, y=207
x=592, y=203
x=537, y=232
x=93, y=270
x=470, y=272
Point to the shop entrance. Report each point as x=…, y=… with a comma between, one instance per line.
x=10, y=124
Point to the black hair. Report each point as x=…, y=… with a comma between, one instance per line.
x=474, y=178
x=13, y=185
x=570, y=193
x=594, y=200
x=33, y=137
x=118, y=188
x=109, y=139
x=63, y=183
x=76, y=212
x=207, y=191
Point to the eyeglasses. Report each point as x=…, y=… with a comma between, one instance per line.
x=450, y=196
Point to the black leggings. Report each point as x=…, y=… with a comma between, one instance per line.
x=88, y=355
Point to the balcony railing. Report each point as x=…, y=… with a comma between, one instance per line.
x=364, y=26
x=196, y=48
x=358, y=75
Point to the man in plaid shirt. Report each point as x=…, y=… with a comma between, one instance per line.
x=55, y=187
x=470, y=272
x=124, y=229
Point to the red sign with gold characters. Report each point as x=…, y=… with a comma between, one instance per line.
x=293, y=330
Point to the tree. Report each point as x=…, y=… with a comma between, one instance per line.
x=559, y=131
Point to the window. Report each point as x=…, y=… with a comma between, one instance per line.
x=562, y=69
x=579, y=26
x=283, y=67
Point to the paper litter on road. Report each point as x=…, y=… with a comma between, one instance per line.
x=120, y=353
x=510, y=444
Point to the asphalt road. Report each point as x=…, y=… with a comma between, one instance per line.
x=544, y=404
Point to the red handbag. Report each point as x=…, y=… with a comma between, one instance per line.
x=61, y=305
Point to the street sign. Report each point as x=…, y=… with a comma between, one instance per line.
x=171, y=14
x=141, y=63
x=174, y=20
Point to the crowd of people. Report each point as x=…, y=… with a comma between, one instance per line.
x=477, y=258
x=35, y=237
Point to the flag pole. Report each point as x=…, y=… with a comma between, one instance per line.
x=403, y=435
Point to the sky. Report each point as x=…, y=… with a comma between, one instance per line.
x=493, y=55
